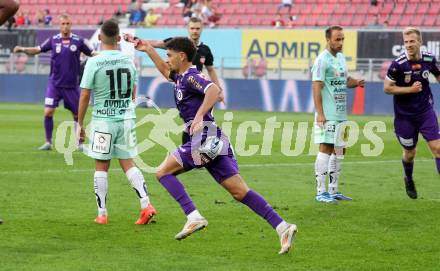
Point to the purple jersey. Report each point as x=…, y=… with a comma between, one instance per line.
x=189, y=92
x=404, y=73
x=64, y=62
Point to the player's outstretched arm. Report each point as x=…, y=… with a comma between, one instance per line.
x=157, y=44
x=354, y=83
x=391, y=88
x=317, y=87
x=28, y=50
x=212, y=96
x=7, y=9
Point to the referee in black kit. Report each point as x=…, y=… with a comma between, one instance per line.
x=202, y=58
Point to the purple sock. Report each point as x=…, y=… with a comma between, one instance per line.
x=408, y=168
x=177, y=191
x=259, y=205
x=437, y=162
x=48, y=127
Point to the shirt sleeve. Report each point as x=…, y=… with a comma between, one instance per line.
x=393, y=72
x=198, y=83
x=88, y=79
x=318, y=70
x=86, y=48
x=46, y=45
x=209, y=61
x=435, y=69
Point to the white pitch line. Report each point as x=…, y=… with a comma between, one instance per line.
x=73, y=170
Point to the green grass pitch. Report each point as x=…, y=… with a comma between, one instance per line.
x=48, y=208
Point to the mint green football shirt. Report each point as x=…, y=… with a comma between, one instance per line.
x=332, y=71
x=112, y=77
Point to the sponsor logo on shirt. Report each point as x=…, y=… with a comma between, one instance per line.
x=65, y=42
x=425, y=74
x=193, y=82
x=416, y=67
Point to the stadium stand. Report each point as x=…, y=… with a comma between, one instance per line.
x=259, y=13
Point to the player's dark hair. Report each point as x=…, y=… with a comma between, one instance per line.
x=329, y=31
x=182, y=44
x=110, y=29
x=195, y=20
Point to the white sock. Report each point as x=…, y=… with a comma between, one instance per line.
x=101, y=187
x=136, y=180
x=281, y=227
x=321, y=167
x=334, y=169
x=194, y=215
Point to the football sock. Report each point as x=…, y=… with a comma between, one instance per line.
x=101, y=188
x=334, y=170
x=137, y=181
x=437, y=162
x=321, y=167
x=48, y=127
x=177, y=191
x=194, y=215
x=281, y=227
x=408, y=169
x=259, y=205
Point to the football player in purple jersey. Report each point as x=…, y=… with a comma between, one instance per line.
x=408, y=80
x=195, y=96
x=63, y=83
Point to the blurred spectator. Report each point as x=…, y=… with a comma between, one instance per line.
x=182, y=3
x=261, y=68
x=192, y=9
x=278, y=22
x=292, y=21
x=20, y=19
x=39, y=17
x=285, y=3
x=10, y=23
x=209, y=14
x=373, y=2
x=27, y=19
x=47, y=17
x=137, y=16
x=151, y=18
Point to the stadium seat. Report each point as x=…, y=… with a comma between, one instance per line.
x=429, y=20
x=422, y=8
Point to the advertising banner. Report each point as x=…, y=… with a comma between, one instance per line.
x=295, y=47
x=389, y=44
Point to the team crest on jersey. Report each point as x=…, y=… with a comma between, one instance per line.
x=425, y=74
x=336, y=72
x=73, y=48
x=58, y=48
x=179, y=95
x=407, y=77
